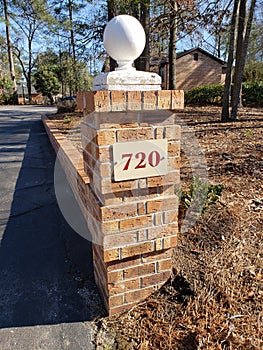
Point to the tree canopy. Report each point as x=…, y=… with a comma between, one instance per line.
x=72, y=31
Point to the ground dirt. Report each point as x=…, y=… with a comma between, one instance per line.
x=214, y=298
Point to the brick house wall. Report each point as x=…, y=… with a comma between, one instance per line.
x=195, y=67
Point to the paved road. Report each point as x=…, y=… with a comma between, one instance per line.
x=47, y=294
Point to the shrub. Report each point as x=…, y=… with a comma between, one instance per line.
x=205, y=95
x=201, y=194
x=252, y=94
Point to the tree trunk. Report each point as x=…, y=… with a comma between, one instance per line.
x=144, y=64
x=237, y=80
x=244, y=29
x=9, y=47
x=73, y=48
x=231, y=49
x=28, y=76
x=111, y=14
x=172, y=45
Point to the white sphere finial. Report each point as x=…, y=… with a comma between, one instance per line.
x=124, y=39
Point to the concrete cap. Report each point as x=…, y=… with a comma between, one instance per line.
x=124, y=39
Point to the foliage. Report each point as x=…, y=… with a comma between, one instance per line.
x=253, y=71
x=6, y=83
x=59, y=74
x=47, y=83
x=252, y=94
x=205, y=95
x=6, y=94
x=69, y=119
x=201, y=194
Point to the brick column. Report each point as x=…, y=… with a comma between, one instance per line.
x=133, y=223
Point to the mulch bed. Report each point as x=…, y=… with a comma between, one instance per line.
x=214, y=299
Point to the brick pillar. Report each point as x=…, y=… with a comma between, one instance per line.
x=133, y=223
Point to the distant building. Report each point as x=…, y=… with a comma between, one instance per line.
x=22, y=92
x=195, y=67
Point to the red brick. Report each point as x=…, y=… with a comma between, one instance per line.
x=170, y=242
x=134, y=100
x=118, y=100
x=121, y=309
x=123, y=286
x=122, y=264
x=119, y=240
x=158, y=219
x=135, y=134
x=171, y=178
x=156, y=256
x=174, y=163
x=164, y=99
x=177, y=99
x=109, y=227
x=173, y=132
x=138, y=295
x=149, y=100
x=140, y=270
x=157, y=278
x=115, y=300
x=173, y=149
x=105, y=137
x=115, y=276
x=161, y=204
x=159, y=132
x=101, y=101
x=118, y=211
x=102, y=154
x=164, y=265
x=136, y=250
x=141, y=208
x=111, y=255
x=170, y=216
x=136, y=222
x=142, y=235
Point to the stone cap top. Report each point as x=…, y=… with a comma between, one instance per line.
x=128, y=81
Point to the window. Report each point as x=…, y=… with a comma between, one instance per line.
x=162, y=73
x=195, y=56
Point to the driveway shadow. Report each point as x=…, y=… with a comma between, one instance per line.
x=46, y=273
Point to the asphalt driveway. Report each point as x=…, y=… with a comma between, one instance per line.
x=48, y=297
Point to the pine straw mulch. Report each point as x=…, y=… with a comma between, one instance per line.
x=214, y=299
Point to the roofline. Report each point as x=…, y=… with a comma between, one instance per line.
x=184, y=53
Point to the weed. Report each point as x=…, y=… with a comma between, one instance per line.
x=69, y=119
x=201, y=195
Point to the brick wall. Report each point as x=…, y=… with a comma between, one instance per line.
x=191, y=73
x=110, y=101
x=134, y=222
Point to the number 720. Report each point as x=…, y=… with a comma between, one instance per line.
x=153, y=159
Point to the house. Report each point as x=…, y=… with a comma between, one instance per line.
x=22, y=92
x=195, y=67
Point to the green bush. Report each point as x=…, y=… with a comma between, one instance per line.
x=205, y=95
x=252, y=94
x=8, y=98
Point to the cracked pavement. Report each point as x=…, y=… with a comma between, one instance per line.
x=48, y=298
